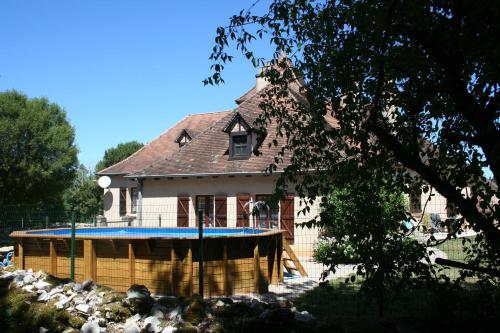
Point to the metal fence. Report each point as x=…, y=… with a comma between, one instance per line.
x=234, y=258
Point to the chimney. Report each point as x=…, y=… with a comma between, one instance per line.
x=261, y=82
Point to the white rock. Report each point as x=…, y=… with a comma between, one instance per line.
x=78, y=300
x=56, y=290
x=29, y=288
x=43, y=297
x=152, y=324
x=63, y=302
x=158, y=311
x=70, y=309
x=174, y=313
x=84, y=308
x=77, y=287
x=131, y=328
x=42, y=330
x=91, y=327
x=135, y=318
x=168, y=329
x=29, y=278
x=42, y=285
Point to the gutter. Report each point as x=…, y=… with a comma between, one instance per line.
x=179, y=175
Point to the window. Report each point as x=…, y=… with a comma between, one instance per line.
x=267, y=218
x=133, y=200
x=212, y=210
x=205, y=209
x=240, y=145
x=415, y=203
x=123, y=201
x=451, y=209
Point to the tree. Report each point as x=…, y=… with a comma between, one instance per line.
x=118, y=153
x=415, y=81
x=38, y=156
x=84, y=197
x=361, y=224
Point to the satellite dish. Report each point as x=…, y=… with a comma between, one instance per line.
x=104, y=182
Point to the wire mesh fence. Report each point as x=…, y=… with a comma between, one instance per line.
x=241, y=253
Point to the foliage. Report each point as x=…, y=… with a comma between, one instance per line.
x=84, y=197
x=364, y=222
x=414, y=81
x=37, y=155
x=117, y=154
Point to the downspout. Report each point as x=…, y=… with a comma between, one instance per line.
x=139, y=200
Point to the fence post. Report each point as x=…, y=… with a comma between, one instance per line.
x=46, y=222
x=72, y=248
x=159, y=220
x=201, y=256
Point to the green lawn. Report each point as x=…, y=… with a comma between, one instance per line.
x=454, y=249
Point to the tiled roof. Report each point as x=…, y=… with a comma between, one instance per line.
x=165, y=144
x=207, y=153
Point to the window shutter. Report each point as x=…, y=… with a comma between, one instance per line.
x=183, y=212
x=123, y=201
x=287, y=218
x=241, y=200
x=221, y=211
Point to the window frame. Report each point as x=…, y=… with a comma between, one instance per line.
x=416, y=209
x=248, y=150
x=134, y=198
x=122, y=202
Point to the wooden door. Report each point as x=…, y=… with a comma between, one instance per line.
x=287, y=222
x=183, y=212
x=241, y=200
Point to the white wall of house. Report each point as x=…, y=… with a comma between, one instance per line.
x=159, y=203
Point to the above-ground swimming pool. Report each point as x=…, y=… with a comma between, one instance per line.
x=124, y=232
x=165, y=260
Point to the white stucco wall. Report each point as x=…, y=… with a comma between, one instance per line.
x=160, y=201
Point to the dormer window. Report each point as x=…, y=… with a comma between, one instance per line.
x=240, y=144
x=240, y=137
x=183, y=138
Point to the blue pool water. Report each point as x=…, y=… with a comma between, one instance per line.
x=152, y=232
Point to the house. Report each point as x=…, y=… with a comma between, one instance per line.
x=206, y=166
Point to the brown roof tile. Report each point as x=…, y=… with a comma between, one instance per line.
x=165, y=144
x=207, y=153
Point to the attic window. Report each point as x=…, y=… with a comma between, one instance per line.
x=183, y=138
x=240, y=145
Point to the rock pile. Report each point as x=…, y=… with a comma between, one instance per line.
x=98, y=309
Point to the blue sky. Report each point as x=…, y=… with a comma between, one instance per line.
x=123, y=70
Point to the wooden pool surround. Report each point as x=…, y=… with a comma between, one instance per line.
x=235, y=264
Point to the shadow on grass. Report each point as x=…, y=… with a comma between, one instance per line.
x=463, y=308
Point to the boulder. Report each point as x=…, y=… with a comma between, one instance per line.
x=84, y=309
x=63, y=302
x=158, y=311
x=91, y=327
x=168, y=329
x=131, y=327
x=42, y=285
x=43, y=297
x=152, y=324
x=139, y=299
x=88, y=284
